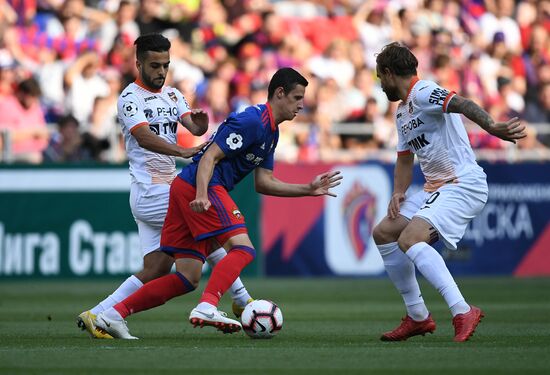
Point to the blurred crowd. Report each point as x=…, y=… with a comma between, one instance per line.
x=64, y=63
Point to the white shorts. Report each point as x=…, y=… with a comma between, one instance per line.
x=149, y=206
x=451, y=207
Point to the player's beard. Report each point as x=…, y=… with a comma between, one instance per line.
x=391, y=93
x=152, y=83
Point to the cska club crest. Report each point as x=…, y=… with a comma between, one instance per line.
x=172, y=96
x=236, y=213
x=359, y=213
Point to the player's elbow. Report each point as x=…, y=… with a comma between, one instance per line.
x=259, y=188
x=262, y=186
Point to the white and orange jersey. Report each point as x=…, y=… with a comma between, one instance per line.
x=438, y=138
x=161, y=111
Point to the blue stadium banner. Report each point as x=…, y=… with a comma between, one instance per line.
x=333, y=236
x=512, y=233
x=76, y=222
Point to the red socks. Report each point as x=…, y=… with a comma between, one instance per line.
x=154, y=293
x=226, y=272
x=158, y=291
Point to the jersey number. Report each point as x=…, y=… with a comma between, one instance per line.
x=432, y=197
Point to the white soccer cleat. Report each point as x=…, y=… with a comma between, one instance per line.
x=116, y=328
x=214, y=318
x=86, y=322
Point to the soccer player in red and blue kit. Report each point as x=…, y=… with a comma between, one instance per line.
x=202, y=216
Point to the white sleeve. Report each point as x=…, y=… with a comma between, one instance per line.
x=434, y=98
x=130, y=111
x=182, y=104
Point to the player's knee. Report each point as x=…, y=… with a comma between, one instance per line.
x=378, y=235
x=194, y=282
x=190, y=270
x=412, y=235
x=156, y=264
x=405, y=242
x=382, y=235
x=154, y=271
x=191, y=281
x=149, y=274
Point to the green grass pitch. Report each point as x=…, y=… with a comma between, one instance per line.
x=331, y=326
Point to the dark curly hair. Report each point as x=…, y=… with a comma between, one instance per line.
x=151, y=42
x=398, y=59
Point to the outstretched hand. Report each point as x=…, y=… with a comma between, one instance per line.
x=510, y=131
x=322, y=184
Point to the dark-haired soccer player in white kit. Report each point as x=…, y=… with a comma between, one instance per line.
x=149, y=113
x=429, y=126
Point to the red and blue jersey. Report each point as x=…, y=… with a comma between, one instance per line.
x=248, y=140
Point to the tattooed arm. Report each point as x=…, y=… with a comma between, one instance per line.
x=510, y=130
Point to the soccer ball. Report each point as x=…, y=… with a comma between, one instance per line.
x=262, y=319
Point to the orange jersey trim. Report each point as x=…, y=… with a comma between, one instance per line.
x=185, y=114
x=431, y=186
x=142, y=85
x=447, y=99
x=271, y=120
x=411, y=85
x=135, y=127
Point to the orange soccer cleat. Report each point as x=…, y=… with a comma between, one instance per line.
x=409, y=328
x=465, y=324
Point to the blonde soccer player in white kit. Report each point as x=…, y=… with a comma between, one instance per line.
x=149, y=114
x=429, y=126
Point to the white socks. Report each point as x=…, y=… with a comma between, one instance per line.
x=401, y=271
x=129, y=286
x=433, y=268
x=239, y=294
